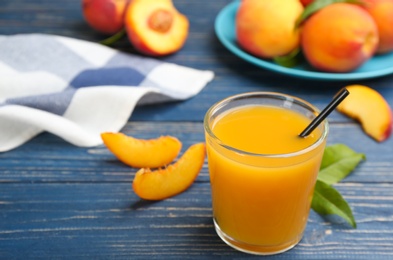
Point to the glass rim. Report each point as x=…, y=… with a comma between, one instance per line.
x=278, y=96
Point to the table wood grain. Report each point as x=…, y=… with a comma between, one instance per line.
x=60, y=201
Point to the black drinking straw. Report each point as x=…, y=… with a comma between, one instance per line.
x=340, y=96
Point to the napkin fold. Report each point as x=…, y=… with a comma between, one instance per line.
x=77, y=89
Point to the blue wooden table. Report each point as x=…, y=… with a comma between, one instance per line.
x=61, y=201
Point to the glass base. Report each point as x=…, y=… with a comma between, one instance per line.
x=256, y=249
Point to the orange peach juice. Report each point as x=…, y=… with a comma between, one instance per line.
x=262, y=174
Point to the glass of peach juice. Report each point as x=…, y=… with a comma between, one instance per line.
x=262, y=174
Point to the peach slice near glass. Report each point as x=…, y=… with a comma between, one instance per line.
x=141, y=153
x=175, y=178
x=370, y=108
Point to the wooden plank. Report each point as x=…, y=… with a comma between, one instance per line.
x=60, y=201
x=47, y=158
x=103, y=220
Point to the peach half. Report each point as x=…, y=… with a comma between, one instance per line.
x=155, y=28
x=382, y=13
x=141, y=153
x=266, y=29
x=370, y=108
x=339, y=37
x=105, y=16
x=172, y=180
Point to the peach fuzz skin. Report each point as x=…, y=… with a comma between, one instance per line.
x=266, y=28
x=105, y=16
x=350, y=38
x=382, y=13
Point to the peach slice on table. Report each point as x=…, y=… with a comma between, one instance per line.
x=155, y=27
x=371, y=109
x=175, y=178
x=141, y=153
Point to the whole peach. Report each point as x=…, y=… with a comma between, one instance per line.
x=382, y=13
x=267, y=28
x=339, y=37
x=105, y=16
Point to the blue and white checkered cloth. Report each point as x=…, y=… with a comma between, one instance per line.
x=77, y=89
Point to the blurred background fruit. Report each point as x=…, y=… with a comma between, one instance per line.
x=339, y=37
x=155, y=27
x=105, y=16
x=382, y=13
x=267, y=28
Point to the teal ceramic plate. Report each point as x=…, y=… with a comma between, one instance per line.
x=377, y=66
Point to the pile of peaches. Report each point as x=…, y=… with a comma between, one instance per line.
x=154, y=28
x=334, y=35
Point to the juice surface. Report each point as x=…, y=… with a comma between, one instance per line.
x=264, y=205
x=264, y=130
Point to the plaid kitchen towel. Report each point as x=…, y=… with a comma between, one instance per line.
x=77, y=89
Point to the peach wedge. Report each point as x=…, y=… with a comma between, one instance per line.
x=172, y=180
x=371, y=109
x=141, y=153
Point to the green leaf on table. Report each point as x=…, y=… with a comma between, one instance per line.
x=316, y=5
x=327, y=201
x=290, y=60
x=338, y=161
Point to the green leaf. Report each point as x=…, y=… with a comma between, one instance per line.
x=327, y=201
x=290, y=60
x=316, y=5
x=338, y=161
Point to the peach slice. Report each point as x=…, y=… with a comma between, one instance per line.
x=371, y=109
x=140, y=153
x=155, y=27
x=172, y=180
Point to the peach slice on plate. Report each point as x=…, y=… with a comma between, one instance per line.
x=175, y=178
x=141, y=153
x=155, y=27
x=371, y=109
